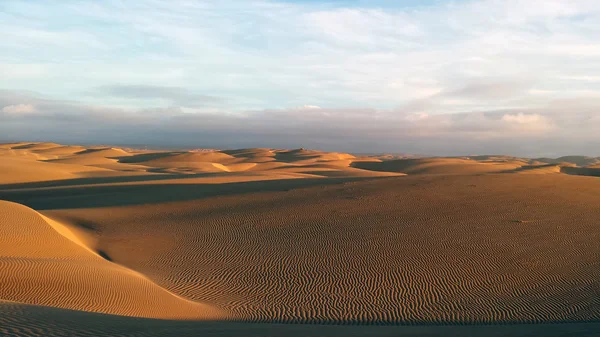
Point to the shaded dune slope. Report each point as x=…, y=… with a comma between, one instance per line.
x=36, y=321
x=592, y=171
x=576, y=160
x=439, y=166
x=539, y=169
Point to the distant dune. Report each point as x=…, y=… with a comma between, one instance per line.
x=30, y=162
x=104, y=241
x=441, y=166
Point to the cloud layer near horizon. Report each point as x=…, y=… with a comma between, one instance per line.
x=533, y=132
x=453, y=77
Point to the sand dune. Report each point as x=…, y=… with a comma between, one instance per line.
x=198, y=162
x=439, y=166
x=192, y=157
x=256, y=155
x=299, y=237
x=47, y=264
x=539, y=169
x=40, y=150
x=34, y=146
x=577, y=160
x=22, y=169
x=60, y=151
x=592, y=171
x=458, y=250
x=93, y=157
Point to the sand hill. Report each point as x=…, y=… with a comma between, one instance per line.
x=49, y=264
x=269, y=241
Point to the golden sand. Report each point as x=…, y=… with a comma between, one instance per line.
x=228, y=239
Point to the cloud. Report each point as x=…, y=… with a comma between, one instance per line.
x=542, y=132
x=175, y=96
x=309, y=107
x=264, y=54
x=55, y=114
x=490, y=89
x=450, y=77
x=19, y=109
x=476, y=94
x=529, y=122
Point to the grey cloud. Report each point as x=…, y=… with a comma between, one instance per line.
x=490, y=89
x=54, y=111
x=176, y=96
x=532, y=132
x=476, y=92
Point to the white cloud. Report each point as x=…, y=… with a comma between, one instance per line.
x=584, y=78
x=309, y=107
x=528, y=122
x=19, y=109
x=522, y=118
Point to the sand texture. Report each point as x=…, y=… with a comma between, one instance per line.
x=105, y=241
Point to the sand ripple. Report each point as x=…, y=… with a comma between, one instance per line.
x=456, y=249
x=229, y=235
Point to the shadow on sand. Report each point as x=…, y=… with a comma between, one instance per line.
x=61, y=322
x=89, y=193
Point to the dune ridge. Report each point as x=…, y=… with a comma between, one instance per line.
x=35, y=162
x=23, y=162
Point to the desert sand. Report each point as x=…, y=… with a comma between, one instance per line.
x=98, y=241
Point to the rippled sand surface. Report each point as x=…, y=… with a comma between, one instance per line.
x=108, y=241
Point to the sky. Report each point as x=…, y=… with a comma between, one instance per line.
x=429, y=77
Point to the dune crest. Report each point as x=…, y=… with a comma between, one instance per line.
x=29, y=162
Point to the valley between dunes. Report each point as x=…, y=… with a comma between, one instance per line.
x=103, y=241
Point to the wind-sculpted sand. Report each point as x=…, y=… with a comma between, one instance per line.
x=45, y=263
x=265, y=241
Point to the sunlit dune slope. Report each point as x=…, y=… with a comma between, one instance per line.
x=107, y=161
x=297, y=161
x=45, y=263
x=55, y=162
x=197, y=162
x=19, y=169
x=451, y=249
x=94, y=156
x=60, y=151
